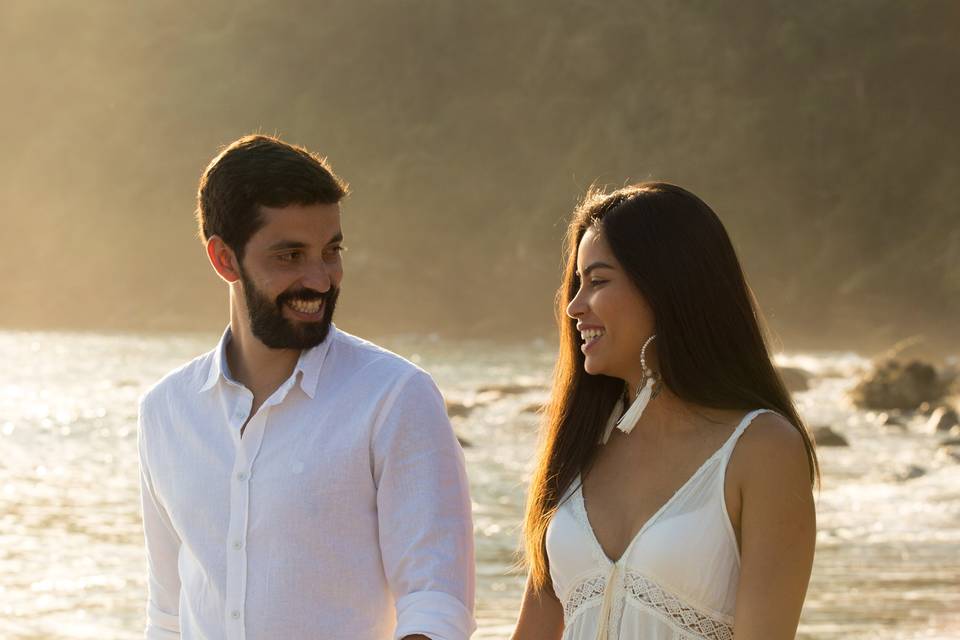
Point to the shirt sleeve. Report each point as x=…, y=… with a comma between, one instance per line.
x=425, y=523
x=163, y=547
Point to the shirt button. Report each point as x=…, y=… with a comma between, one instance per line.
x=235, y=614
x=242, y=476
x=238, y=545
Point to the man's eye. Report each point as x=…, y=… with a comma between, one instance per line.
x=334, y=251
x=292, y=256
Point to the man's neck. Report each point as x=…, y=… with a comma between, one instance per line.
x=255, y=365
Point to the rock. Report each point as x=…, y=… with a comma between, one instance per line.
x=891, y=420
x=949, y=448
x=457, y=409
x=487, y=396
x=827, y=437
x=895, y=385
x=533, y=407
x=508, y=389
x=911, y=472
x=795, y=379
x=943, y=420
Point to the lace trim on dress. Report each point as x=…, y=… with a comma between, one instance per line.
x=690, y=620
x=587, y=591
x=683, y=615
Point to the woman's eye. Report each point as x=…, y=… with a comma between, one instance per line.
x=597, y=283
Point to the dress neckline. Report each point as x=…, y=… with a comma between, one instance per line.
x=582, y=503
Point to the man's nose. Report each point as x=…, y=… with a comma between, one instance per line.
x=317, y=277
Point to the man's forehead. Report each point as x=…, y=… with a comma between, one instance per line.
x=304, y=212
x=302, y=220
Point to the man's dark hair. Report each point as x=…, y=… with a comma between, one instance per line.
x=256, y=171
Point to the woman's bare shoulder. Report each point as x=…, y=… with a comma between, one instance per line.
x=771, y=449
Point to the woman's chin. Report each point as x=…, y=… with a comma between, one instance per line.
x=592, y=366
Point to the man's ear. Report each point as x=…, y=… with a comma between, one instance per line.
x=223, y=259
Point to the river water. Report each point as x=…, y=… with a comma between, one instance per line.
x=71, y=557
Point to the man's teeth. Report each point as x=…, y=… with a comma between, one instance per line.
x=306, y=307
x=591, y=334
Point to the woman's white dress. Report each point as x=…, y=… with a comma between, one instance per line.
x=678, y=577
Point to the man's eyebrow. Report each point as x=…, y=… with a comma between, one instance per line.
x=595, y=265
x=286, y=245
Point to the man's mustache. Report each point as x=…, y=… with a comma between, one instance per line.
x=307, y=295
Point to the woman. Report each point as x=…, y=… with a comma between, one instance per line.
x=671, y=519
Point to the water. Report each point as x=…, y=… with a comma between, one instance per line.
x=71, y=558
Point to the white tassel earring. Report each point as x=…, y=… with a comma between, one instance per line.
x=647, y=390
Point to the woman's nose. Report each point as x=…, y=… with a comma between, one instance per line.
x=576, y=307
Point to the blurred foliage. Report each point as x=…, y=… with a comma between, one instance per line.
x=824, y=134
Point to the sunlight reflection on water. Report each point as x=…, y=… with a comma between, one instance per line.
x=71, y=557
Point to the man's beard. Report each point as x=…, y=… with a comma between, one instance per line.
x=272, y=329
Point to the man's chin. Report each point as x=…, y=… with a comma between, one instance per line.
x=294, y=335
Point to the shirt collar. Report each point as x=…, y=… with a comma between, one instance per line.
x=311, y=362
x=308, y=366
x=218, y=361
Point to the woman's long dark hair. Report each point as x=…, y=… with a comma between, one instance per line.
x=710, y=344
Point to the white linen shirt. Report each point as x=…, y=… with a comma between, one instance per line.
x=342, y=512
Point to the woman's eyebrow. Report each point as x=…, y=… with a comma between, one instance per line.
x=594, y=265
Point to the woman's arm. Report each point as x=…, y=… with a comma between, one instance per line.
x=778, y=530
x=541, y=616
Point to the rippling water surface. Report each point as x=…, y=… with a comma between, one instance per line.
x=71, y=559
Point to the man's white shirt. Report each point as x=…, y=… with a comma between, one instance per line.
x=342, y=512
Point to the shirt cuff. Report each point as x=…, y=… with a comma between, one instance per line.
x=434, y=614
x=161, y=625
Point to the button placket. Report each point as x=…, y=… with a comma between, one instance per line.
x=236, y=588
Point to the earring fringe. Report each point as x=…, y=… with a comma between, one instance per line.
x=646, y=392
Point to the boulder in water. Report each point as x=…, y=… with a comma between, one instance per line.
x=533, y=407
x=950, y=449
x=486, y=396
x=508, y=389
x=826, y=437
x=457, y=409
x=892, y=419
x=911, y=472
x=943, y=420
x=895, y=385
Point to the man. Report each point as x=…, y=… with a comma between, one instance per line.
x=297, y=482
